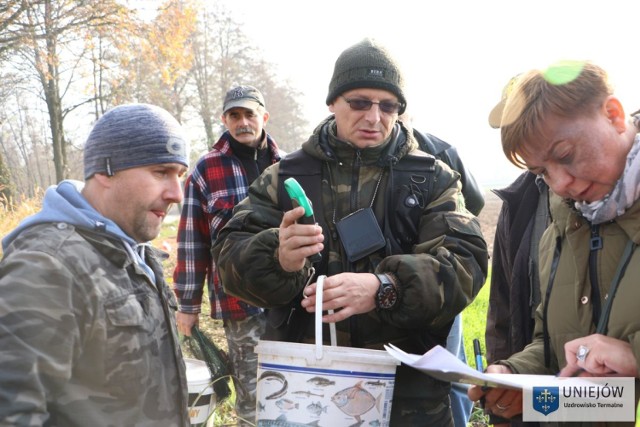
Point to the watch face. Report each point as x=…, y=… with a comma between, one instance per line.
x=387, y=297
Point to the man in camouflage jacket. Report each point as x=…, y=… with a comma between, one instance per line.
x=87, y=328
x=262, y=254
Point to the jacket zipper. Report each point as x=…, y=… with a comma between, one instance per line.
x=354, y=182
x=354, y=329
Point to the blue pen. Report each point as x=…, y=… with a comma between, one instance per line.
x=478, y=352
x=479, y=365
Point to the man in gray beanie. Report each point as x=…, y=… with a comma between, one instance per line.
x=89, y=335
x=401, y=254
x=134, y=135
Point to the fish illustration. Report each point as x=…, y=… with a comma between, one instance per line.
x=307, y=393
x=355, y=401
x=261, y=407
x=286, y=404
x=281, y=421
x=375, y=423
x=316, y=409
x=277, y=376
x=320, y=381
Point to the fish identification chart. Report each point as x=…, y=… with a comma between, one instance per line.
x=298, y=396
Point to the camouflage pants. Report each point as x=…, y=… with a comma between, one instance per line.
x=242, y=337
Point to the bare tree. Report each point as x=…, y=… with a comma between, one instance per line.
x=78, y=58
x=222, y=53
x=159, y=72
x=10, y=14
x=224, y=57
x=111, y=50
x=51, y=47
x=287, y=123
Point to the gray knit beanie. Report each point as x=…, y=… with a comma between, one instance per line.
x=134, y=135
x=366, y=65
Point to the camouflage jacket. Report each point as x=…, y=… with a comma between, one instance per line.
x=86, y=338
x=437, y=278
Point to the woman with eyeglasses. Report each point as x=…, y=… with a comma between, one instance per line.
x=565, y=124
x=401, y=253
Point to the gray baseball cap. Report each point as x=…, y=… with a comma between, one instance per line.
x=243, y=96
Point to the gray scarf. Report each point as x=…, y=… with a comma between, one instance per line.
x=623, y=195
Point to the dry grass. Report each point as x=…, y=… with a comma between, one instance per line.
x=13, y=211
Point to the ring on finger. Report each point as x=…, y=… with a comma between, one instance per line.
x=502, y=408
x=582, y=353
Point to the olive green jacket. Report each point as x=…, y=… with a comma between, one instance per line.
x=569, y=311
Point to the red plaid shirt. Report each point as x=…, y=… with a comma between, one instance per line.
x=217, y=183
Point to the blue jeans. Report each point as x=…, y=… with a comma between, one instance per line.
x=461, y=406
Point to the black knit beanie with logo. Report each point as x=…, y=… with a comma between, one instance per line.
x=366, y=64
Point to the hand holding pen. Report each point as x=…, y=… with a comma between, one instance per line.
x=499, y=402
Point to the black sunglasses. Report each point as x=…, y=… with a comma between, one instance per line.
x=365, y=105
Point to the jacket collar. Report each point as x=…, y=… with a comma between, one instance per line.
x=325, y=145
x=112, y=248
x=568, y=217
x=223, y=145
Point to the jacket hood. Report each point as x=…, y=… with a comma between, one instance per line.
x=325, y=145
x=65, y=203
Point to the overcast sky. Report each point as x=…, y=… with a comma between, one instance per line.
x=457, y=55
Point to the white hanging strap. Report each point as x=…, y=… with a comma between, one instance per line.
x=319, y=288
x=318, y=316
x=332, y=332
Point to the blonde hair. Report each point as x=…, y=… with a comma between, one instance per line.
x=567, y=89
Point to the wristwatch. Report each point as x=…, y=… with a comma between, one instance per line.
x=387, y=296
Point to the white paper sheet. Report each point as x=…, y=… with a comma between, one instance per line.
x=441, y=364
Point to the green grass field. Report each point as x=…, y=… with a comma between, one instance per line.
x=474, y=320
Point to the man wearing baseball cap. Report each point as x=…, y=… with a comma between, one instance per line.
x=88, y=331
x=401, y=253
x=220, y=179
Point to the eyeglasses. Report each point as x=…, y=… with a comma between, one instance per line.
x=365, y=105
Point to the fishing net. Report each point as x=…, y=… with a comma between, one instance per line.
x=216, y=359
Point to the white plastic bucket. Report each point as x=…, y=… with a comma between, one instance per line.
x=202, y=399
x=323, y=385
